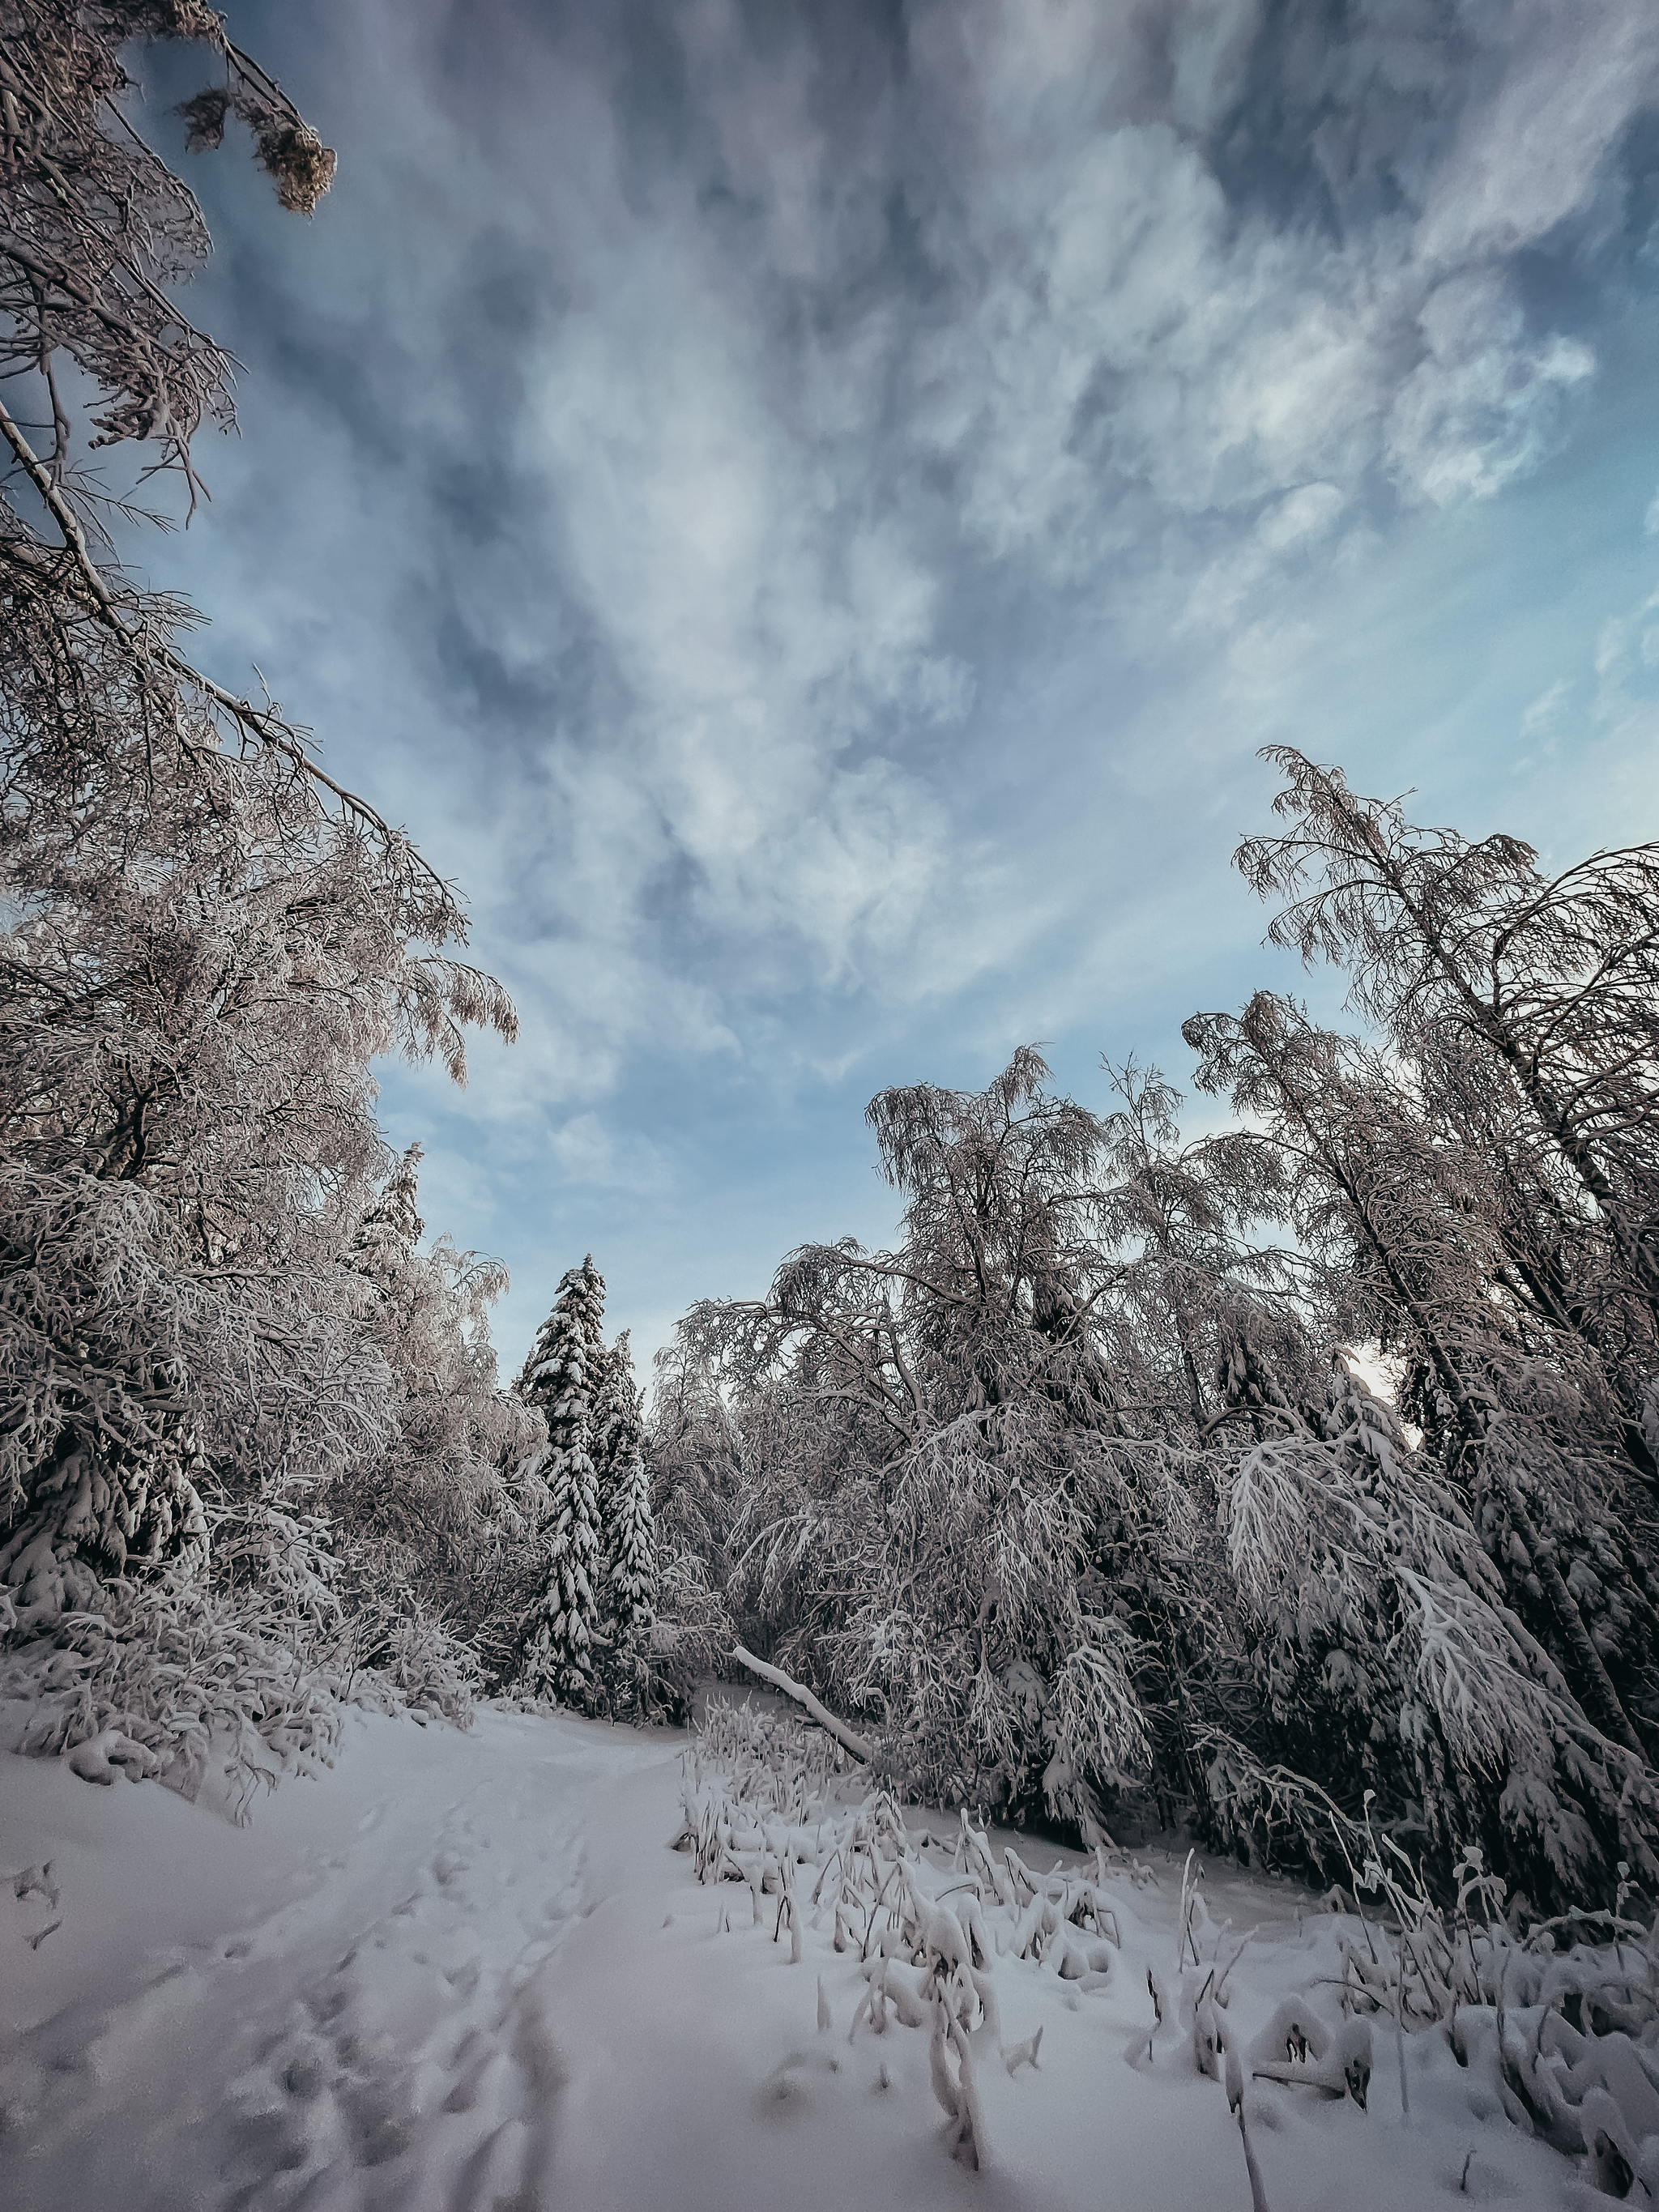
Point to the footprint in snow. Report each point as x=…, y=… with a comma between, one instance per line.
x=788, y=2088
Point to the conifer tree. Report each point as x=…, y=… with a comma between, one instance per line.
x=629, y=1591
x=560, y=1378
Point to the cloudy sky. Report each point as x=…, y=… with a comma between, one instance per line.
x=807, y=509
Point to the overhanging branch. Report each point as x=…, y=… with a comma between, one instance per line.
x=856, y=1744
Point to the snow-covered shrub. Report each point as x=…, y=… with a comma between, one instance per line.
x=192, y=1678
x=1560, y=2016
x=394, y=1639
x=929, y=1916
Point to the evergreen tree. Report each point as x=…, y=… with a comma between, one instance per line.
x=629, y=1591
x=560, y=1379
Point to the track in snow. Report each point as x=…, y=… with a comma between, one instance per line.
x=380, y=2039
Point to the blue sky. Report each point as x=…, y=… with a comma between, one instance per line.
x=808, y=510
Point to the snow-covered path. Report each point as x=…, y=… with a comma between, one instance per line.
x=346, y=2004
x=463, y=1972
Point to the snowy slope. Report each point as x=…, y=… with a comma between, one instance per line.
x=466, y=1971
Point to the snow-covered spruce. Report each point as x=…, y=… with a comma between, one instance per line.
x=630, y=1587
x=560, y=1379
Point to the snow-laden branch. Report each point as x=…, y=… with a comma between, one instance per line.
x=856, y=1744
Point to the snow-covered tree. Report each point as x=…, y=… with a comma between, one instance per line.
x=1398, y=1217
x=1074, y=1490
x=389, y=1235
x=944, y=1456
x=1475, y=1192
x=1387, y=1654
x=442, y=1538
x=694, y=1462
x=206, y=943
x=561, y=1380
x=628, y=1589
x=1524, y=1008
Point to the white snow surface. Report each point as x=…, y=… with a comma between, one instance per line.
x=465, y=1972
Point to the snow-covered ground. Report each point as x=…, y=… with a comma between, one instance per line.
x=467, y=1971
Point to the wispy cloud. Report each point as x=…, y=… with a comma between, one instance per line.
x=688, y=437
